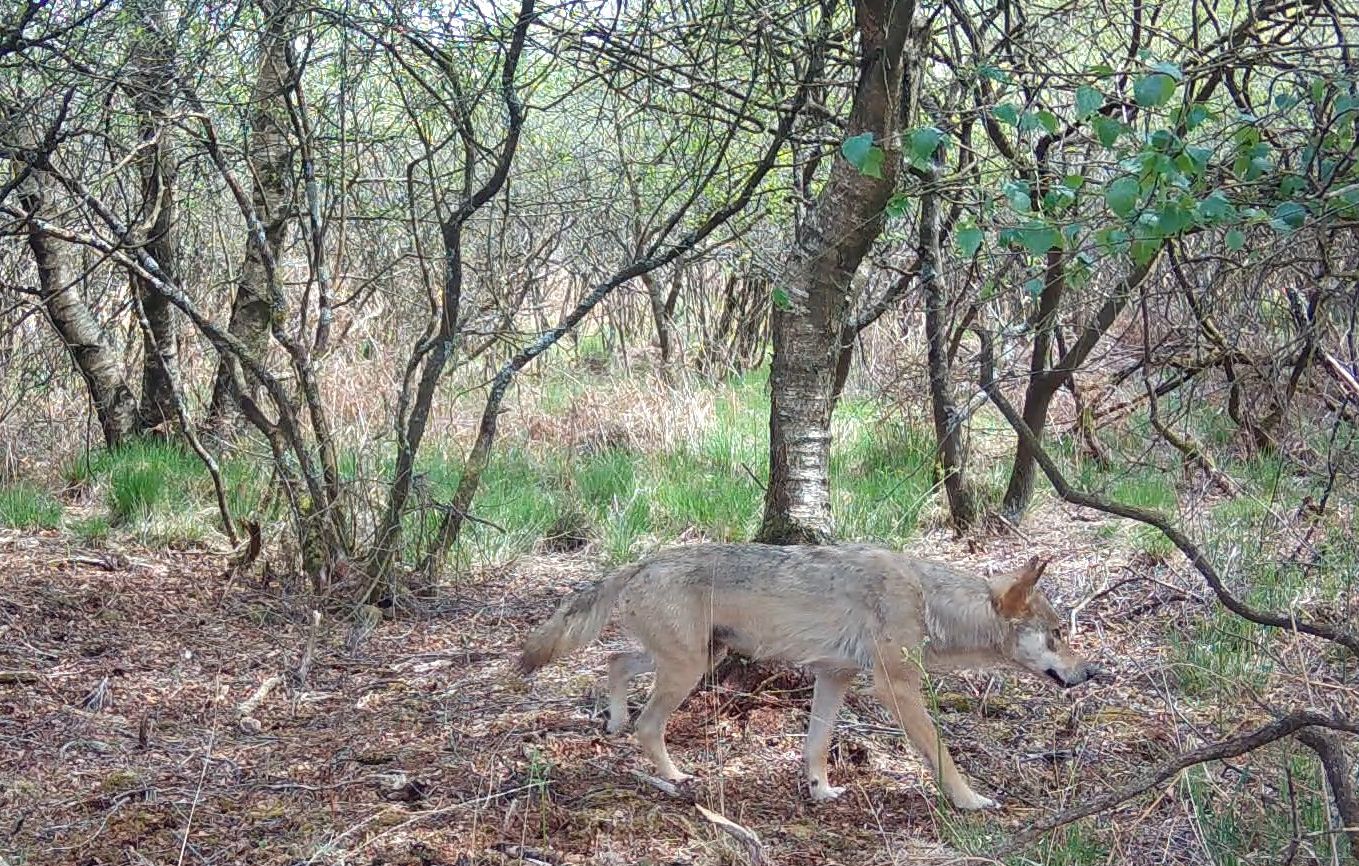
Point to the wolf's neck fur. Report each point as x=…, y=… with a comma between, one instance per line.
x=963, y=626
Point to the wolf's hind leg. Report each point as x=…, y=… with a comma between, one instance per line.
x=899, y=689
x=622, y=668
x=827, y=697
x=674, y=680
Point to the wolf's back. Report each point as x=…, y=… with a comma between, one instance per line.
x=579, y=620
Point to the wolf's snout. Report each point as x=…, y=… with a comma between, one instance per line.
x=1081, y=673
x=1093, y=671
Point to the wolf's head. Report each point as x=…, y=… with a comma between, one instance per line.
x=1036, y=642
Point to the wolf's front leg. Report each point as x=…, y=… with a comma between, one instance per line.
x=827, y=698
x=900, y=691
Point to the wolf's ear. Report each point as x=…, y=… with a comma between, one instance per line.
x=1012, y=596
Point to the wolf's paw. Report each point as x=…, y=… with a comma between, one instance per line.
x=681, y=780
x=825, y=793
x=975, y=802
x=617, y=726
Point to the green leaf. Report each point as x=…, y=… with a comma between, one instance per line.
x=1088, y=101
x=898, y=205
x=1006, y=113
x=1111, y=240
x=1288, y=216
x=1058, y=198
x=994, y=73
x=1038, y=237
x=781, y=299
x=1291, y=185
x=1196, y=116
x=1235, y=239
x=1017, y=193
x=1172, y=219
x=1164, y=140
x=969, y=240
x=1215, y=208
x=1034, y=287
x=1144, y=249
x=1156, y=164
x=856, y=149
x=1048, y=120
x=873, y=165
x=1170, y=69
x=1073, y=181
x=1101, y=70
x=860, y=152
x=1121, y=195
x=1318, y=91
x=1346, y=201
x=1198, y=158
x=1154, y=89
x=924, y=142
x=1107, y=130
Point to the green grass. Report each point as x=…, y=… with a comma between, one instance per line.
x=91, y=530
x=160, y=493
x=708, y=485
x=141, y=478
x=1232, y=836
x=26, y=506
x=1073, y=845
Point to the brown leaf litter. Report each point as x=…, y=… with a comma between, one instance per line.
x=149, y=713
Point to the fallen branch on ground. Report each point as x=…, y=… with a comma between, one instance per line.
x=245, y=711
x=745, y=836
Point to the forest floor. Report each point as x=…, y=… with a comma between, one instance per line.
x=123, y=739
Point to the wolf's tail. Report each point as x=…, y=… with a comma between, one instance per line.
x=578, y=621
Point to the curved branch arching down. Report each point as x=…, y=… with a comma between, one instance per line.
x=1337, y=634
x=1293, y=723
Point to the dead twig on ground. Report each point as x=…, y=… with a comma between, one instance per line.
x=299, y=673
x=747, y=837
x=245, y=717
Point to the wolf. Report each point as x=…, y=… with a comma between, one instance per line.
x=837, y=610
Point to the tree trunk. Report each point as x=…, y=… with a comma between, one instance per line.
x=153, y=62
x=270, y=155
x=828, y=248
x=1044, y=381
x=98, y=364
x=947, y=423
x=429, y=358
x=663, y=315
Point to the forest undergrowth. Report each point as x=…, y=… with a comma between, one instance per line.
x=161, y=706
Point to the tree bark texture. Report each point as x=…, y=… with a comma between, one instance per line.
x=1047, y=377
x=153, y=89
x=99, y=365
x=827, y=250
x=663, y=315
x=947, y=422
x=259, y=290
